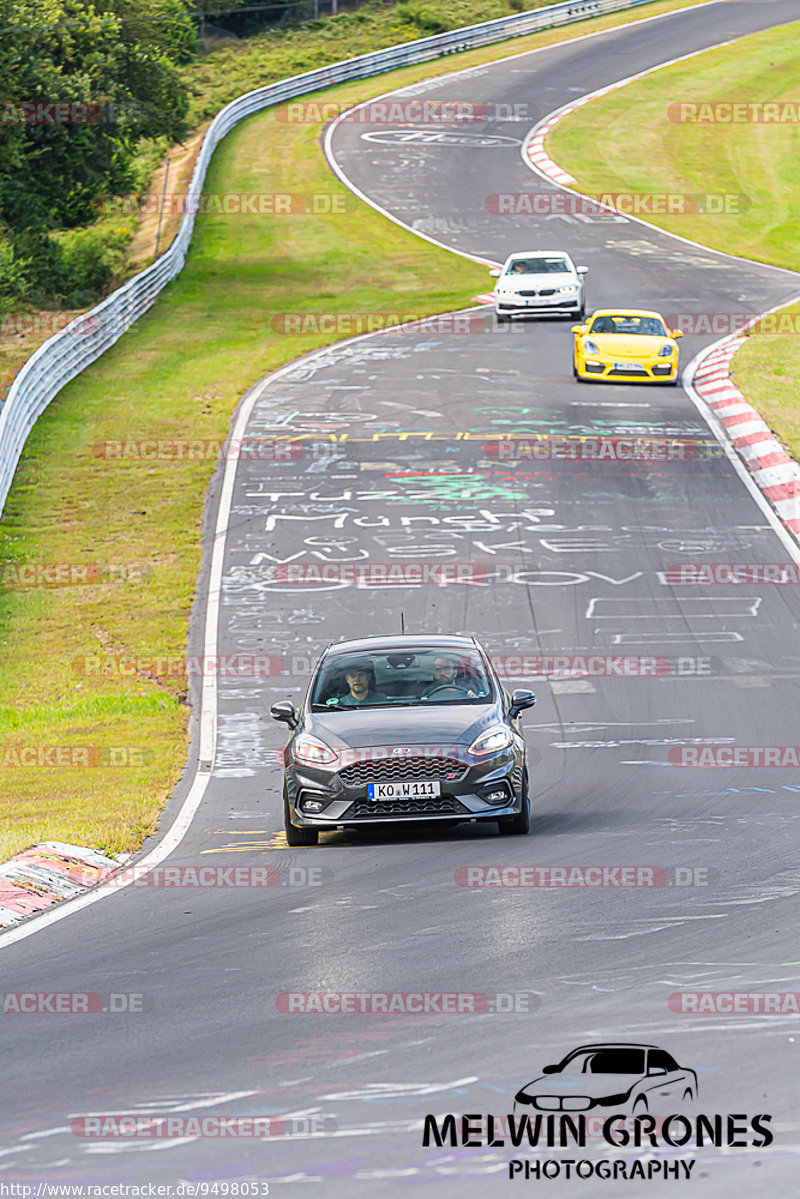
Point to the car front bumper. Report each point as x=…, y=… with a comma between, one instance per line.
x=661, y=371
x=466, y=798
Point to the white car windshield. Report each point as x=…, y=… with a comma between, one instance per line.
x=538, y=266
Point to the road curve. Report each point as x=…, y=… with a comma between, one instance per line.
x=572, y=559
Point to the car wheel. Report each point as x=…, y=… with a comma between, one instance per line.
x=521, y=824
x=574, y=369
x=294, y=835
x=640, y=1106
x=502, y=317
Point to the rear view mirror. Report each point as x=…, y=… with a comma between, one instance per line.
x=578, y=329
x=284, y=711
x=582, y=270
x=676, y=332
x=520, y=700
x=495, y=271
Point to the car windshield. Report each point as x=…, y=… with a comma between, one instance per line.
x=651, y=326
x=607, y=1061
x=405, y=676
x=555, y=265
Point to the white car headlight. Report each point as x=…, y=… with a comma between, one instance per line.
x=666, y=351
x=309, y=749
x=591, y=347
x=494, y=739
x=564, y=290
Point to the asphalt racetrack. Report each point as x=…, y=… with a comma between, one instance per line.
x=398, y=462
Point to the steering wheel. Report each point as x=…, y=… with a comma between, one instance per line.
x=446, y=687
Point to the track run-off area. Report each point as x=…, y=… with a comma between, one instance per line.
x=646, y=880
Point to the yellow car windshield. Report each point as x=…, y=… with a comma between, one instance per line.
x=648, y=325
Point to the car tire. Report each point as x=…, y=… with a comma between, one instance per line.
x=521, y=824
x=502, y=317
x=297, y=836
x=574, y=369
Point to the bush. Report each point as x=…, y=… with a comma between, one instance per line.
x=426, y=19
x=88, y=259
x=16, y=273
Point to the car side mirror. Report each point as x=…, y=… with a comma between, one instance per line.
x=520, y=700
x=676, y=332
x=656, y=1070
x=550, y=1070
x=284, y=711
x=578, y=329
x=582, y=270
x=495, y=271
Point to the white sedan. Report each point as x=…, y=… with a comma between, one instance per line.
x=537, y=281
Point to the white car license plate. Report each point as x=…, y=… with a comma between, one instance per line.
x=628, y=366
x=415, y=789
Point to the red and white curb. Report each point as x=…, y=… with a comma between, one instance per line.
x=774, y=472
x=44, y=874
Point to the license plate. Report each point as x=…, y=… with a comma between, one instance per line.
x=415, y=789
x=628, y=366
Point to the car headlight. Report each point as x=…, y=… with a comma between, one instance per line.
x=309, y=749
x=591, y=347
x=562, y=290
x=492, y=741
x=666, y=351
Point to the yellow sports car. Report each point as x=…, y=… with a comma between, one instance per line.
x=626, y=343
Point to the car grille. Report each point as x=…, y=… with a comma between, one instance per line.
x=528, y=293
x=417, y=766
x=440, y=805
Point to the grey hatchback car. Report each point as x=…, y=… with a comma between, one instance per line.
x=399, y=729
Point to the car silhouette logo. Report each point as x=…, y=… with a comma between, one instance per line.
x=615, y=1076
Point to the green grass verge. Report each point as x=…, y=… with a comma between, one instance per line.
x=177, y=373
x=642, y=150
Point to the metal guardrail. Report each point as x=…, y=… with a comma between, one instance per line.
x=70, y=351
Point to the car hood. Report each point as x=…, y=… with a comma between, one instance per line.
x=398, y=727
x=628, y=345
x=531, y=282
x=596, y=1086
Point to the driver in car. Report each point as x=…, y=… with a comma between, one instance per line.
x=360, y=678
x=444, y=675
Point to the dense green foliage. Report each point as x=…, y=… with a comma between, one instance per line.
x=84, y=81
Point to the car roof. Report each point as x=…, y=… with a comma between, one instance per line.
x=398, y=640
x=611, y=1045
x=520, y=253
x=626, y=312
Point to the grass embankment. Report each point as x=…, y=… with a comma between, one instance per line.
x=643, y=150
x=178, y=372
